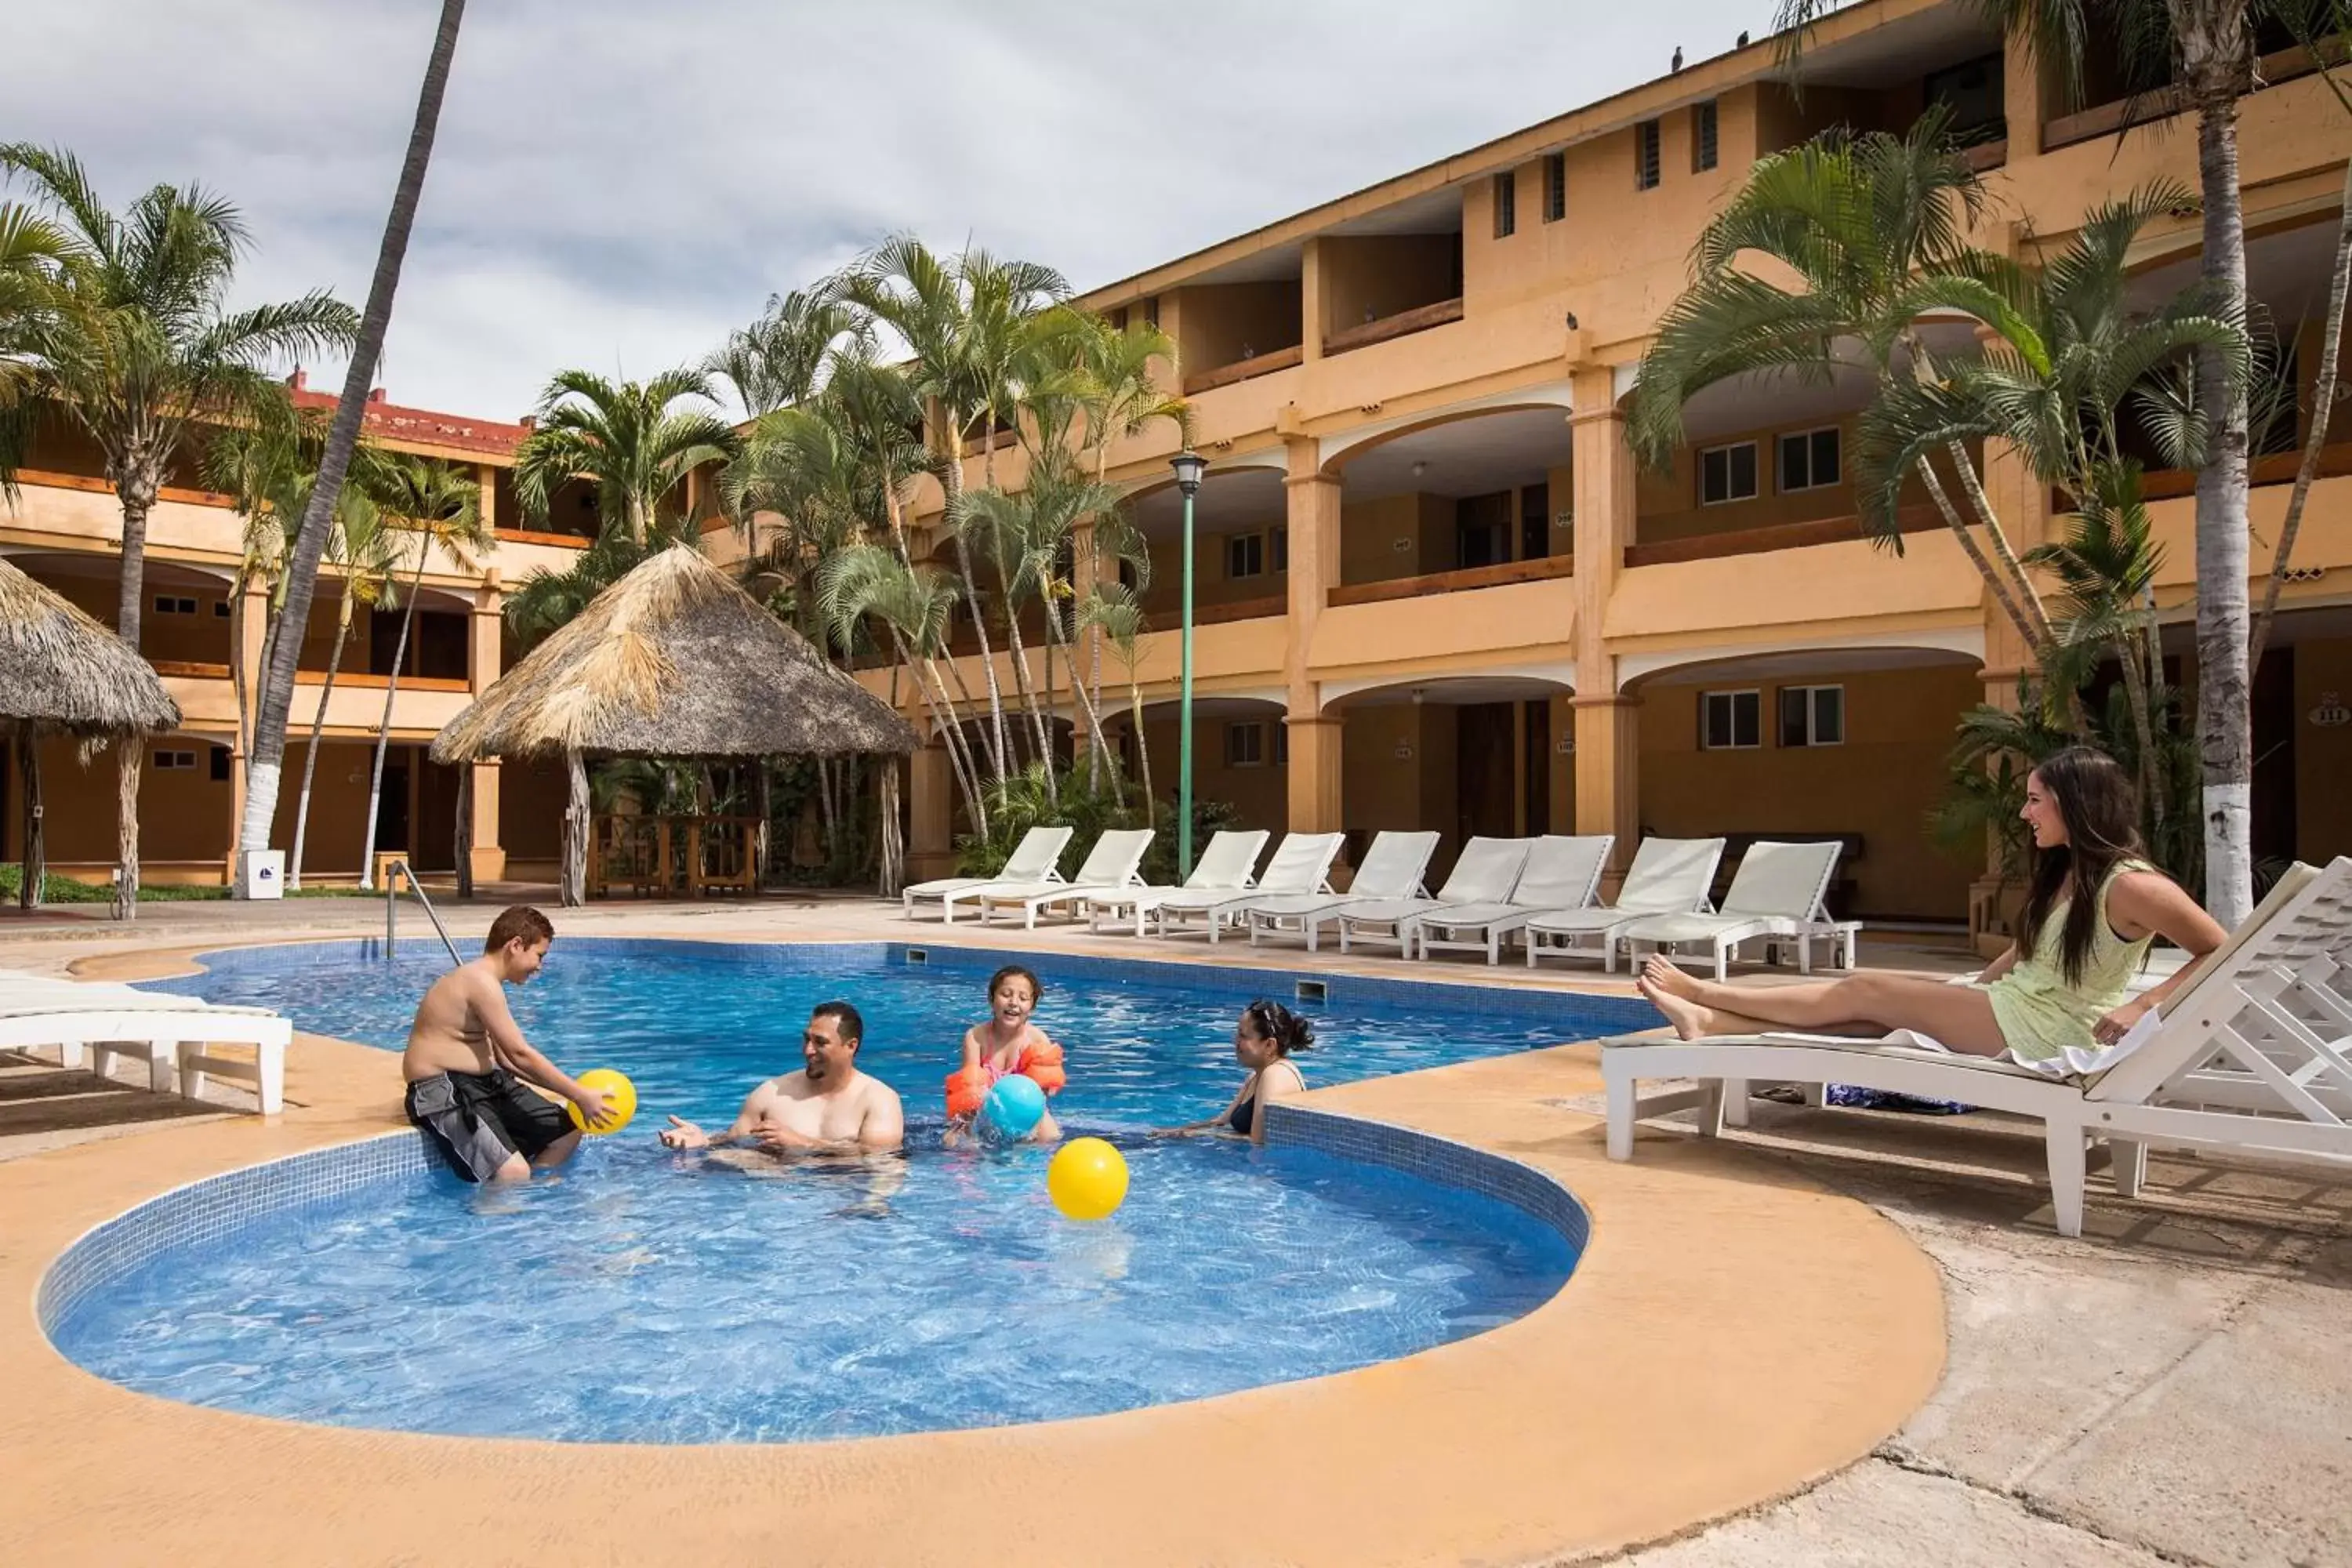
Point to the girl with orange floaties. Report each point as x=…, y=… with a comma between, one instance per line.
x=1007, y=1043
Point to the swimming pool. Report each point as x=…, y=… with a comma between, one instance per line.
x=653, y=1297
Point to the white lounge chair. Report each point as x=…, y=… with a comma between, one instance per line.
x=2255, y=1056
x=170, y=1032
x=1563, y=873
x=1034, y=859
x=1777, y=892
x=1301, y=864
x=1115, y=862
x=1393, y=868
x=1227, y=865
x=1486, y=872
x=1668, y=876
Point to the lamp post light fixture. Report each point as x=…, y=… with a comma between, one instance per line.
x=1189, y=466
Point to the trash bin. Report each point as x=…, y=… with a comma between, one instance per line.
x=261, y=874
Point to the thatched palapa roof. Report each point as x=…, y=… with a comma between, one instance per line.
x=674, y=660
x=64, y=671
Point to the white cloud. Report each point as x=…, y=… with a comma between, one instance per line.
x=616, y=184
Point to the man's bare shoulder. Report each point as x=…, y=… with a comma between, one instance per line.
x=878, y=1093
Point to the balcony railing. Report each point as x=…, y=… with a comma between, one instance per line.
x=1536, y=570
x=97, y=486
x=526, y=536
x=1782, y=536
x=2102, y=119
x=1420, y=318
x=1242, y=370
x=198, y=669
x=2278, y=468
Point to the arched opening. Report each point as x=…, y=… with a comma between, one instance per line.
x=1485, y=491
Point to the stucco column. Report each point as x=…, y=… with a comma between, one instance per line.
x=1313, y=517
x=489, y=857
x=930, y=791
x=1313, y=314
x=1608, y=729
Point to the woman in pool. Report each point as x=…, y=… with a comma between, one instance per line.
x=2091, y=910
x=1005, y=1044
x=1269, y=1032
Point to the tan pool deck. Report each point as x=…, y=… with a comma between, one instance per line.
x=1734, y=1334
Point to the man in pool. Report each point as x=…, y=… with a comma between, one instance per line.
x=826, y=1108
x=468, y=1064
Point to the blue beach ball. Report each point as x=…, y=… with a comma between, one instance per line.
x=1014, y=1106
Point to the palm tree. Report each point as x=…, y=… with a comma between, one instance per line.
x=33, y=253
x=925, y=303
x=343, y=439
x=1113, y=610
x=440, y=507
x=629, y=440
x=266, y=466
x=1874, y=227
x=778, y=361
x=361, y=549
x=144, y=345
x=2207, y=46
x=914, y=605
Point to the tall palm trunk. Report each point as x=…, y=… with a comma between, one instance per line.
x=1142, y=749
x=310, y=543
x=317, y=727
x=36, y=860
x=137, y=487
x=383, y=725
x=2213, y=45
x=953, y=474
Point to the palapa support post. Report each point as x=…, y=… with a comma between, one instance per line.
x=464, y=830
x=36, y=861
x=574, y=890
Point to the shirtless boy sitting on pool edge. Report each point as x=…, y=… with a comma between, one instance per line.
x=826, y=1108
x=466, y=1064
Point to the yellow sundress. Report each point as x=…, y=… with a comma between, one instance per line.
x=2039, y=1013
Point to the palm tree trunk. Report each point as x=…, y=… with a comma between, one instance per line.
x=2323, y=414
x=36, y=866
x=1028, y=693
x=134, y=749
x=2224, y=679
x=310, y=756
x=464, y=830
x=383, y=725
x=953, y=476
x=894, y=850
x=1142, y=751
x=2135, y=693
x=1976, y=558
x=574, y=889
x=310, y=543
x=2018, y=578
x=763, y=804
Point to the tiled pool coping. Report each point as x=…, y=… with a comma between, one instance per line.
x=1734, y=1334
x=216, y=1207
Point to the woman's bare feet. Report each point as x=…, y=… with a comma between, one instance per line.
x=1688, y=1018
x=1668, y=976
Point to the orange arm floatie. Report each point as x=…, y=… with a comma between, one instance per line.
x=967, y=1086
x=1043, y=1065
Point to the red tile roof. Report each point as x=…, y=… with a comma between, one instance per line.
x=395, y=422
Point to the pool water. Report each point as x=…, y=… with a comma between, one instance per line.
x=655, y=1297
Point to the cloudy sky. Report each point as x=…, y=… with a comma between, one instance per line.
x=616, y=184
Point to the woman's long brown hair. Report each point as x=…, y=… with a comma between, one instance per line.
x=2095, y=800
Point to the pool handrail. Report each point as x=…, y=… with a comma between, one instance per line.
x=396, y=872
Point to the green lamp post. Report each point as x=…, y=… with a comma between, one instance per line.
x=1189, y=466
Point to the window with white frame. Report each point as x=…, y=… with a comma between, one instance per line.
x=1246, y=555
x=220, y=609
x=1812, y=715
x=1245, y=744
x=1731, y=720
x=1281, y=744
x=1278, y=548
x=175, y=762
x=1727, y=473
x=1808, y=459
x=174, y=605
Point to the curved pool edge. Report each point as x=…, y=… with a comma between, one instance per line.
x=1653, y=1396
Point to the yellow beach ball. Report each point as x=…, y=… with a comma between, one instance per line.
x=1087, y=1179
x=619, y=1093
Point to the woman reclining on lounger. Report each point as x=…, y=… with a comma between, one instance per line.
x=2089, y=914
